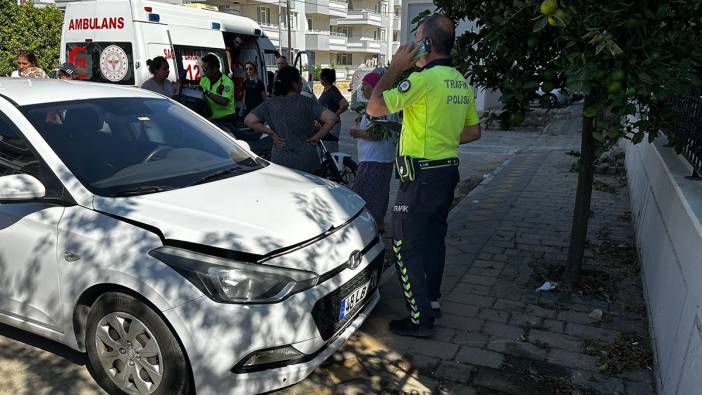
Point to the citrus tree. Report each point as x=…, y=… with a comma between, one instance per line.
x=624, y=56
x=26, y=28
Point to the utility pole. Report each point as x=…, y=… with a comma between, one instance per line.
x=280, y=28
x=289, y=31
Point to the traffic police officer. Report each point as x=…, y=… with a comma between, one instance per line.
x=438, y=114
x=218, y=89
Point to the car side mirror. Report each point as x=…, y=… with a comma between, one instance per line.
x=244, y=144
x=21, y=187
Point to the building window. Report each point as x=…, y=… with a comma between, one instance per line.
x=293, y=20
x=344, y=30
x=376, y=34
x=383, y=34
x=398, y=11
x=396, y=36
x=234, y=8
x=344, y=59
x=263, y=15
x=309, y=24
x=350, y=5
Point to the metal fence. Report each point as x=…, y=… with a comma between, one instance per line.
x=685, y=130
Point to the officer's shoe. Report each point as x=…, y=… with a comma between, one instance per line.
x=436, y=308
x=405, y=327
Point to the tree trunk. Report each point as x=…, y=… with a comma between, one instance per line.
x=581, y=213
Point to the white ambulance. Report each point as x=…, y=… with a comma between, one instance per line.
x=111, y=40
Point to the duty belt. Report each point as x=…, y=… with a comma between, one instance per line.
x=406, y=166
x=433, y=164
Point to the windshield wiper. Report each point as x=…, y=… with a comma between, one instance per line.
x=218, y=174
x=142, y=190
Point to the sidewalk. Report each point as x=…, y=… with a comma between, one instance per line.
x=497, y=335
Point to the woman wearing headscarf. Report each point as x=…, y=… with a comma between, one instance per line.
x=376, y=153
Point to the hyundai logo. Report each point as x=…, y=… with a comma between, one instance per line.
x=355, y=259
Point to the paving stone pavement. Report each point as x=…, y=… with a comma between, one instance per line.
x=497, y=335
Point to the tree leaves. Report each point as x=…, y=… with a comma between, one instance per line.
x=24, y=27
x=540, y=24
x=653, y=47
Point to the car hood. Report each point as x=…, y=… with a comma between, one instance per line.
x=257, y=213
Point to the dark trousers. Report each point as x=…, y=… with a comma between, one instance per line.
x=419, y=223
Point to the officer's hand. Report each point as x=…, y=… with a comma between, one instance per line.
x=404, y=57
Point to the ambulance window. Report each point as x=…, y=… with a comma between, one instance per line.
x=103, y=61
x=189, y=63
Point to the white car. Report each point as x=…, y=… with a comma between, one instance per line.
x=136, y=231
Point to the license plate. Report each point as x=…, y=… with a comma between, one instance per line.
x=353, y=300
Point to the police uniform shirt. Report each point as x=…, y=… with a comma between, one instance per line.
x=225, y=88
x=438, y=103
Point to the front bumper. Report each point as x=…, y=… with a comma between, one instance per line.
x=218, y=338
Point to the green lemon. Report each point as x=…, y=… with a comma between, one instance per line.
x=562, y=15
x=617, y=75
x=552, y=21
x=548, y=7
x=614, y=87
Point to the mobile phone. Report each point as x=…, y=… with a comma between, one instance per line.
x=424, y=47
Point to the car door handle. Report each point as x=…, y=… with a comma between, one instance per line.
x=71, y=257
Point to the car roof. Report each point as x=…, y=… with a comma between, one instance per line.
x=25, y=92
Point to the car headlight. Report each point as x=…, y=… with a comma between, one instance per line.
x=228, y=281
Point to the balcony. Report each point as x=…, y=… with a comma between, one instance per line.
x=395, y=46
x=396, y=23
x=359, y=17
x=317, y=7
x=338, y=8
x=338, y=42
x=363, y=44
x=273, y=34
x=317, y=40
x=273, y=2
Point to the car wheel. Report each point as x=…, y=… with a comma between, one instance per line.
x=132, y=350
x=550, y=100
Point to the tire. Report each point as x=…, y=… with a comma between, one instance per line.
x=112, y=351
x=550, y=100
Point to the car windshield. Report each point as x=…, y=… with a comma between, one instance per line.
x=133, y=146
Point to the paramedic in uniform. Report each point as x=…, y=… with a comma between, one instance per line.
x=438, y=114
x=219, y=91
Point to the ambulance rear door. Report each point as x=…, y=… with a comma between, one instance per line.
x=98, y=37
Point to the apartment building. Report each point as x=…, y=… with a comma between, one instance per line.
x=343, y=34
